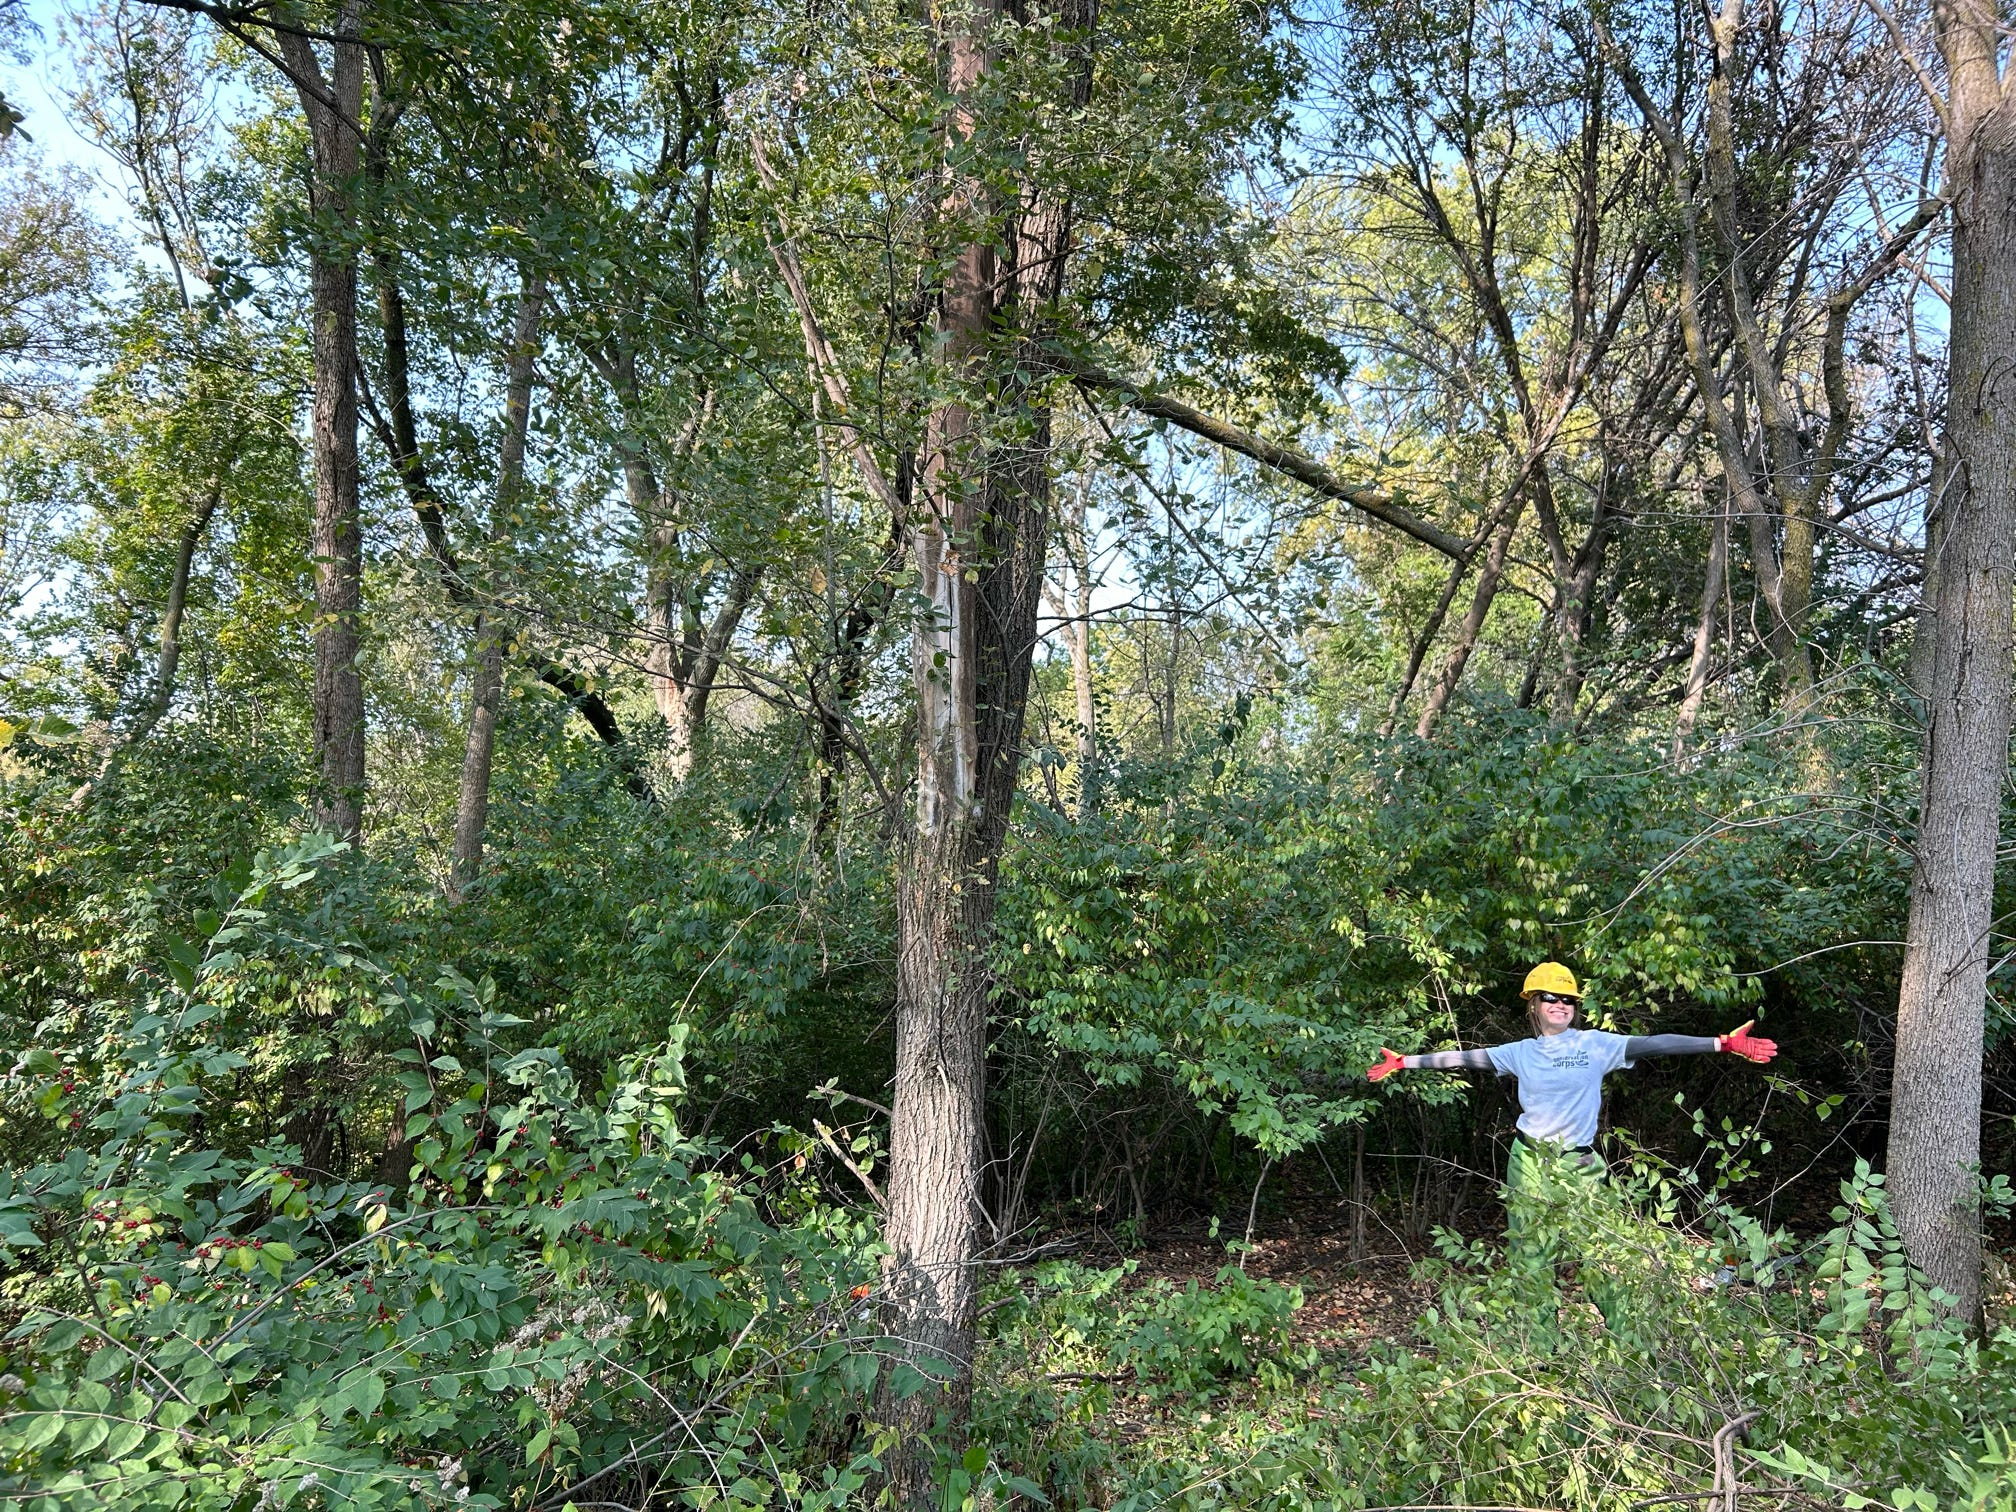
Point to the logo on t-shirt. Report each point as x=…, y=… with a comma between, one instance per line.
x=1569, y=1060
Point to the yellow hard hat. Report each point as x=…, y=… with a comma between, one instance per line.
x=1551, y=976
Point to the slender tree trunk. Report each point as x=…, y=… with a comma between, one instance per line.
x=684, y=654
x=1087, y=706
x=1573, y=614
x=1704, y=635
x=472, y=804
x=1079, y=633
x=1417, y=652
x=400, y=435
x=1536, y=659
x=663, y=600
x=833, y=695
x=1472, y=628
x=334, y=106
x=1787, y=650
x=1935, y=1108
x=693, y=669
x=1512, y=497
x=169, y=657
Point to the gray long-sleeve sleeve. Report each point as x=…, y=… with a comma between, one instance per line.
x=1641, y=1045
x=1450, y=1060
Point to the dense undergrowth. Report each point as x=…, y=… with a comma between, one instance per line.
x=303, y=1214
x=1819, y=1373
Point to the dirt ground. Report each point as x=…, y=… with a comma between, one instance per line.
x=1349, y=1304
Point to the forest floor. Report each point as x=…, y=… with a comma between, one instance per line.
x=1349, y=1304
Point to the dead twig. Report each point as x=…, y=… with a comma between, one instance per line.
x=826, y=1138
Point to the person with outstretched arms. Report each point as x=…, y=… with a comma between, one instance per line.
x=1560, y=1072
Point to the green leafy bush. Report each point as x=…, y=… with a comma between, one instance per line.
x=564, y=1292
x=1192, y=1340
x=1249, y=939
x=1827, y=1374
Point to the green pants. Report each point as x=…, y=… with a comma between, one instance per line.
x=1544, y=1188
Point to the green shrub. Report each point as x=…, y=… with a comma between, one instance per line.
x=1829, y=1373
x=1193, y=1340
x=566, y=1293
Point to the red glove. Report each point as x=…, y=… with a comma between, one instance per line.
x=1742, y=1042
x=1388, y=1064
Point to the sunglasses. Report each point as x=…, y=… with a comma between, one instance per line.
x=1554, y=997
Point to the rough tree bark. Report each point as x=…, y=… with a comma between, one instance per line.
x=945, y=887
x=334, y=103
x=1935, y=1109
x=979, y=538
x=976, y=518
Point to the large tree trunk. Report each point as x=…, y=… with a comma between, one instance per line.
x=972, y=662
x=979, y=536
x=1935, y=1113
x=472, y=802
x=334, y=106
x=945, y=898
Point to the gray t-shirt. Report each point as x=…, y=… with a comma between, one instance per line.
x=1561, y=1081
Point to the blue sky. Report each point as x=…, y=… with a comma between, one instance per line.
x=36, y=90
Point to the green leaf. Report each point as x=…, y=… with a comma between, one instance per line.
x=42, y=1427
x=123, y=1438
x=368, y=1392
x=88, y=1433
